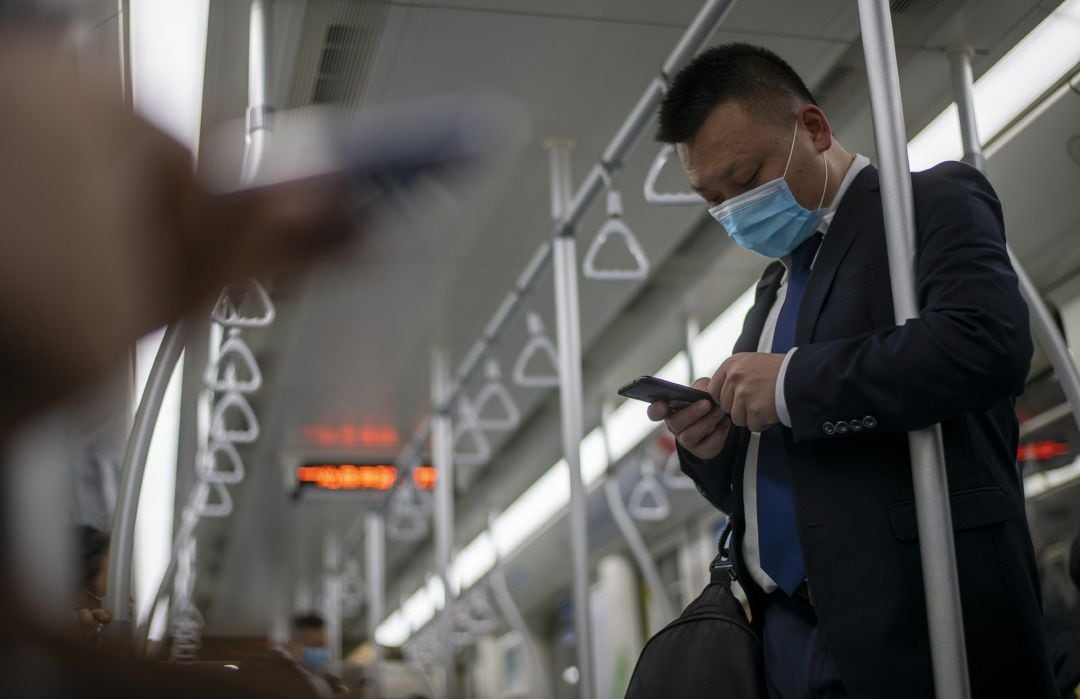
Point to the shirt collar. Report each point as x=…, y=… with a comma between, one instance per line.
x=853, y=170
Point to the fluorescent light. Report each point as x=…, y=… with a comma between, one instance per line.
x=593, y=457
x=168, y=60
x=533, y=508
x=393, y=632
x=1010, y=86
x=154, y=517
x=474, y=561
x=713, y=344
x=436, y=592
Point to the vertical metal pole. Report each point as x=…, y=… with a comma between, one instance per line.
x=123, y=20
x=375, y=554
x=259, y=110
x=1057, y=351
x=122, y=540
x=571, y=405
x=927, y=454
x=442, y=447
x=963, y=82
x=332, y=596
x=693, y=329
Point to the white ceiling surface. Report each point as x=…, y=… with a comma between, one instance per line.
x=353, y=347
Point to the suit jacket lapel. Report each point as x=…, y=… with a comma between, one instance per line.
x=764, y=297
x=845, y=227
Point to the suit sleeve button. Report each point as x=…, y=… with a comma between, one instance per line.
x=841, y=427
x=856, y=425
x=869, y=422
x=828, y=428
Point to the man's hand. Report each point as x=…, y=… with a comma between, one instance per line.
x=91, y=622
x=105, y=233
x=745, y=388
x=700, y=428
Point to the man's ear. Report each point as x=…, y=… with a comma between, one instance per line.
x=815, y=121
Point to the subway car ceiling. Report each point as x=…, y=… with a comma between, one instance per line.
x=347, y=364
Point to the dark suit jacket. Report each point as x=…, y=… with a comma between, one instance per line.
x=855, y=386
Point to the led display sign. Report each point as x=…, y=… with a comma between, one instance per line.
x=362, y=477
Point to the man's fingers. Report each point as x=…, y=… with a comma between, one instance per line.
x=701, y=384
x=714, y=443
x=681, y=419
x=699, y=430
x=658, y=411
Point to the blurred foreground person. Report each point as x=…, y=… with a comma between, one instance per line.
x=105, y=234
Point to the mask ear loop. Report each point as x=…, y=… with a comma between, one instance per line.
x=824, y=187
x=791, y=149
x=791, y=152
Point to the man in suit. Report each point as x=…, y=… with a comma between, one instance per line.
x=808, y=447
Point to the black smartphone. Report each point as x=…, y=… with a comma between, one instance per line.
x=651, y=389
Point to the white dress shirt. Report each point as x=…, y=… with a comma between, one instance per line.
x=750, y=546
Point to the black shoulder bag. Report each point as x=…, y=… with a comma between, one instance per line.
x=710, y=650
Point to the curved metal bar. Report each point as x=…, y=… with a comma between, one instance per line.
x=630, y=532
x=122, y=540
x=1057, y=351
x=509, y=610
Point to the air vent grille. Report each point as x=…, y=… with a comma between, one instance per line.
x=899, y=7
x=342, y=52
x=338, y=45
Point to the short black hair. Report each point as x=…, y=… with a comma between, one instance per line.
x=755, y=76
x=308, y=621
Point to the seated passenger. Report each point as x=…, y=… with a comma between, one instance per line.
x=93, y=551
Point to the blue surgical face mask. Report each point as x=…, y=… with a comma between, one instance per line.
x=314, y=658
x=767, y=219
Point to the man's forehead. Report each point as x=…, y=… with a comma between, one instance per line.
x=728, y=136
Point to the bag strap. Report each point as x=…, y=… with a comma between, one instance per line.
x=722, y=568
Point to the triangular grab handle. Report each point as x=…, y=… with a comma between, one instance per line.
x=220, y=433
x=538, y=342
x=666, y=198
x=406, y=520
x=226, y=313
x=649, y=501
x=221, y=374
x=615, y=227
x=480, y=615
x=208, y=463
x=468, y=424
x=674, y=478
x=495, y=390
x=221, y=506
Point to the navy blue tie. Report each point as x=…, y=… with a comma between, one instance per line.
x=778, y=537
